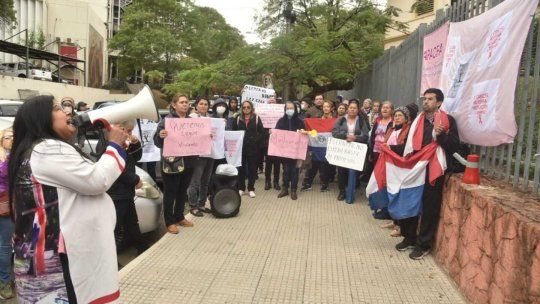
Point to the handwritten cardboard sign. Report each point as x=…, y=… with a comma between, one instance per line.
x=269, y=113
x=346, y=154
x=257, y=94
x=187, y=136
x=288, y=144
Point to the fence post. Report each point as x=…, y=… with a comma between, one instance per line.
x=421, y=33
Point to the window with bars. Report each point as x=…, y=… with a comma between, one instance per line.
x=421, y=7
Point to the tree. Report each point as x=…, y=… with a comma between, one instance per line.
x=168, y=35
x=7, y=13
x=214, y=39
x=330, y=42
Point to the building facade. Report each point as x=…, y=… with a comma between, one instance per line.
x=424, y=14
x=78, y=28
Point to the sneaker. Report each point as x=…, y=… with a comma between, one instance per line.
x=240, y=192
x=6, y=291
x=324, y=187
x=418, y=253
x=196, y=212
x=252, y=194
x=305, y=187
x=404, y=245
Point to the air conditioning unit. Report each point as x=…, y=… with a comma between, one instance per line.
x=68, y=40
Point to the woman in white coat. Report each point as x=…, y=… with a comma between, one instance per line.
x=64, y=220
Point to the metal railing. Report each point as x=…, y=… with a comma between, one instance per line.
x=396, y=76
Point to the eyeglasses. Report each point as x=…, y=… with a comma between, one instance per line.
x=246, y=107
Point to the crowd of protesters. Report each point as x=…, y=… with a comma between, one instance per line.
x=47, y=165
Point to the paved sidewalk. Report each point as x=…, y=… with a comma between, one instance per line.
x=313, y=250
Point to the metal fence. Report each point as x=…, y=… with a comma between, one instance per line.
x=396, y=76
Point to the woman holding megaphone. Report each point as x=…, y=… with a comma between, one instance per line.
x=64, y=221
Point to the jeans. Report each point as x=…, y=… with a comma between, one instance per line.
x=272, y=162
x=249, y=168
x=431, y=213
x=324, y=169
x=6, y=233
x=127, y=229
x=290, y=174
x=198, y=188
x=175, y=195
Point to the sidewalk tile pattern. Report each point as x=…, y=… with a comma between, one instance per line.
x=313, y=250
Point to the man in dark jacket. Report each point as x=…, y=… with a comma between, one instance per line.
x=316, y=111
x=122, y=193
x=448, y=139
x=290, y=122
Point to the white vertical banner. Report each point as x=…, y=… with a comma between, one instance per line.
x=480, y=70
x=233, y=147
x=151, y=153
x=218, y=138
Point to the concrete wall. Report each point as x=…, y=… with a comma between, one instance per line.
x=489, y=242
x=10, y=86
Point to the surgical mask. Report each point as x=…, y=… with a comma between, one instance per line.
x=289, y=112
x=220, y=110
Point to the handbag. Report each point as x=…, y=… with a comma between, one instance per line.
x=172, y=165
x=4, y=204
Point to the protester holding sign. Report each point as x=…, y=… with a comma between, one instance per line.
x=291, y=170
x=176, y=171
x=352, y=128
x=202, y=170
x=249, y=122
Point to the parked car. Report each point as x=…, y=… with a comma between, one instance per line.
x=148, y=199
x=18, y=69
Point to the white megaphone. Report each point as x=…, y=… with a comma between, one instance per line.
x=140, y=106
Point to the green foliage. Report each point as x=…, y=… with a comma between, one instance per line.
x=36, y=39
x=169, y=35
x=155, y=77
x=7, y=13
x=421, y=7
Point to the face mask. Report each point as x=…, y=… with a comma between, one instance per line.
x=220, y=110
x=289, y=112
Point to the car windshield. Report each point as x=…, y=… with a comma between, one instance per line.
x=9, y=110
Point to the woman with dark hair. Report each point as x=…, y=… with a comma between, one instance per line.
x=202, y=170
x=291, y=167
x=249, y=122
x=175, y=171
x=352, y=128
x=64, y=221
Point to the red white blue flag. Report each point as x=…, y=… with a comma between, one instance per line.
x=317, y=145
x=397, y=183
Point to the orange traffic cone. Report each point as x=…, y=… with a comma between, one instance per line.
x=471, y=175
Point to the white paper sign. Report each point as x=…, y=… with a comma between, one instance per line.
x=346, y=154
x=151, y=153
x=218, y=139
x=269, y=113
x=233, y=147
x=257, y=94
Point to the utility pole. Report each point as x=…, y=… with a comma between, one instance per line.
x=290, y=18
